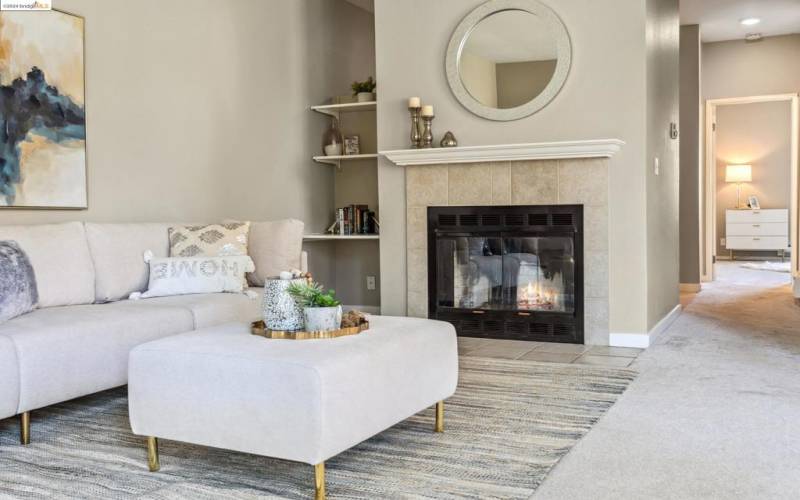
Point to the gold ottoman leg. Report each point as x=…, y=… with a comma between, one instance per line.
x=439, y=417
x=25, y=428
x=152, y=454
x=319, y=481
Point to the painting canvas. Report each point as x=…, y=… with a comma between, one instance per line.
x=42, y=116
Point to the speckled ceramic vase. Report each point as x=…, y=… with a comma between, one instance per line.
x=281, y=312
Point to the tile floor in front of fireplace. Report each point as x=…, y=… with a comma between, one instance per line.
x=619, y=357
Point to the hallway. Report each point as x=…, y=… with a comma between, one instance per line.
x=714, y=412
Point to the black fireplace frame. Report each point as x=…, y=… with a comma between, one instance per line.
x=509, y=221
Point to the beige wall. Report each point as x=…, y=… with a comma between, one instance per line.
x=603, y=97
x=519, y=82
x=690, y=160
x=197, y=110
x=758, y=134
x=481, y=75
x=740, y=69
x=663, y=31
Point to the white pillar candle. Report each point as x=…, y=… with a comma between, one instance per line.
x=427, y=110
x=413, y=102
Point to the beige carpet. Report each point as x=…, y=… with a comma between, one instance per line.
x=509, y=423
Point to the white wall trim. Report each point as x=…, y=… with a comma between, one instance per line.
x=690, y=287
x=644, y=340
x=597, y=148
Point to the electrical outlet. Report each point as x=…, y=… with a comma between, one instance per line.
x=370, y=282
x=657, y=166
x=722, y=241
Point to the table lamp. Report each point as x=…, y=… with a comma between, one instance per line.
x=738, y=174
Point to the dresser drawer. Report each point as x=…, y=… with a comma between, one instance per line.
x=756, y=242
x=757, y=229
x=756, y=216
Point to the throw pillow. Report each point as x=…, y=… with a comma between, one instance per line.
x=212, y=240
x=18, y=292
x=184, y=275
x=275, y=246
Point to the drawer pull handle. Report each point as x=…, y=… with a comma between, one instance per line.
x=756, y=225
x=523, y=314
x=756, y=239
x=478, y=312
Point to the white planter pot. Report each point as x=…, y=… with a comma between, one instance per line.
x=365, y=96
x=322, y=318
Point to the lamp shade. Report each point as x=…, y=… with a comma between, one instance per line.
x=738, y=173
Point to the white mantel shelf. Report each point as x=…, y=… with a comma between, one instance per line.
x=598, y=148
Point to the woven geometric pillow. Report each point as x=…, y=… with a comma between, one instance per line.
x=212, y=240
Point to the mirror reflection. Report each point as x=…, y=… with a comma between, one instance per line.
x=508, y=59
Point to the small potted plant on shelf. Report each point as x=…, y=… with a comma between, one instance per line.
x=364, y=91
x=321, y=309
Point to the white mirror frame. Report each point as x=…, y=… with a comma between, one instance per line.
x=459, y=39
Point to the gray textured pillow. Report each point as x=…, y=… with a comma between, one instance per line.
x=18, y=293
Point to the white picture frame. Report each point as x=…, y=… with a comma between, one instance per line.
x=752, y=201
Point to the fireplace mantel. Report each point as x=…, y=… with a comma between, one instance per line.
x=597, y=148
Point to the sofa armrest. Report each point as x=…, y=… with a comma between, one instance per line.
x=304, y=261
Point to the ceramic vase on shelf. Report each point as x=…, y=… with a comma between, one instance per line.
x=322, y=318
x=365, y=97
x=332, y=140
x=281, y=312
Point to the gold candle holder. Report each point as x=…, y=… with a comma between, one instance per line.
x=415, y=136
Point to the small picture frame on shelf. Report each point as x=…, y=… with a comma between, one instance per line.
x=752, y=200
x=352, y=145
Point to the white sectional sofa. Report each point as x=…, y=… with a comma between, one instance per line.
x=78, y=341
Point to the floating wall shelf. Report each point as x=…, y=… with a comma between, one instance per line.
x=337, y=160
x=330, y=237
x=350, y=107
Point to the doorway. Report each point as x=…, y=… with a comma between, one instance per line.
x=750, y=190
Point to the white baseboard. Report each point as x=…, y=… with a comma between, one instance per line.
x=644, y=340
x=690, y=287
x=364, y=309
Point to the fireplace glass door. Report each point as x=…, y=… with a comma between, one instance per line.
x=506, y=273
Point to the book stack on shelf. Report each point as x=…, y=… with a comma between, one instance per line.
x=353, y=220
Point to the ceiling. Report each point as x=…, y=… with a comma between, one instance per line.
x=719, y=19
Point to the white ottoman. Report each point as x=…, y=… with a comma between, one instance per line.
x=302, y=400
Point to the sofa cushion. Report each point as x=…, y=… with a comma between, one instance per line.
x=275, y=246
x=117, y=251
x=211, y=309
x=67, y=352
x=9, y=378
x=61, y=261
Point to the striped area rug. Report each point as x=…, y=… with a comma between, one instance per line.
x=508, y=424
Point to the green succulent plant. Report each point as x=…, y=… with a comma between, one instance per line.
x=312, y=295
x=367, y=85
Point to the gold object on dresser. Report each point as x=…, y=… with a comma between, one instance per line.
x=258, y=328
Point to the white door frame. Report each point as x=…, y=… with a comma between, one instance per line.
x=708, y=220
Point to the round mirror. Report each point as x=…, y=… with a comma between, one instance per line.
x=508, y=58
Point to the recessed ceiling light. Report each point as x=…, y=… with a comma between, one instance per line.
x=749, y=21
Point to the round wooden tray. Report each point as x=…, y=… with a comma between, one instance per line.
x=258, y=328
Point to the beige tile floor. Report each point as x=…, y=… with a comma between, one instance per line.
x=548, y=352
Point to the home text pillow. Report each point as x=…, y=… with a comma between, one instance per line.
x=18, y=293
x=211, y=240
x=184, y=275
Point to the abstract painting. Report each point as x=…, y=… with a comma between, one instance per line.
x=42, y=116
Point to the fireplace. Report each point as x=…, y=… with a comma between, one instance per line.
x=508, y=272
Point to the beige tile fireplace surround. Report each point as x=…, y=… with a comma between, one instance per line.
x=547, y=173
x=581, y=181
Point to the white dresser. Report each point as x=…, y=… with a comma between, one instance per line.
x=763, y=229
